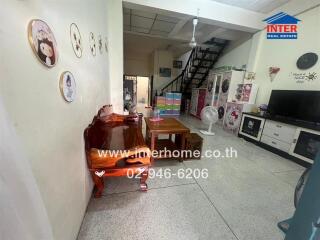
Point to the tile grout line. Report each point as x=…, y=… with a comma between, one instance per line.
x=223, y=219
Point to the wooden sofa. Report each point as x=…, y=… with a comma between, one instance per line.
x=107, y=135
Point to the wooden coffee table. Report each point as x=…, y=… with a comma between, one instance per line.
x=167, y=126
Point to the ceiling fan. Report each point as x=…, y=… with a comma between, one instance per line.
x=193, y=43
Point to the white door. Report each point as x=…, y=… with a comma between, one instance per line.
x=142, y=90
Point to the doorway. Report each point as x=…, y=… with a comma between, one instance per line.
x=136, y=92
x=142, y=93
x=142, y=90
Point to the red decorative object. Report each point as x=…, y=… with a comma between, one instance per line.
x=273, y=71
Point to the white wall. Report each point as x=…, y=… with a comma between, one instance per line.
x=284, y=54
x=162, y=58
x=236, y=56
x=138, y=65
x=115, y=35
x=184, y=58
x=259, y=54
x=50, y=129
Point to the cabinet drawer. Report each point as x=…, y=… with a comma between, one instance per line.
x=279, y=131
x=276, y=143
x=279, y=134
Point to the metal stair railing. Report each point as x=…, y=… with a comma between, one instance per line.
x=177, y=83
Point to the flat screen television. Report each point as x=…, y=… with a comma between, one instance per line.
x=298, y=106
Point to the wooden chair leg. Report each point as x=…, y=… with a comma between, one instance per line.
x=99, y=185
x=143, y=179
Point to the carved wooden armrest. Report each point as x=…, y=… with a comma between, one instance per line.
x=109, y=158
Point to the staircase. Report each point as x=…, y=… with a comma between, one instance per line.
x=197, y=69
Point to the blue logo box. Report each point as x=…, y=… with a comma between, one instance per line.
x=282, y=35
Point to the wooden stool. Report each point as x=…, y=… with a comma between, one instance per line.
x=194, y=142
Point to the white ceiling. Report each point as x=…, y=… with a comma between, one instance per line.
x=148, y=22
x=263, y=6
x=139, y=46
x=149, y=29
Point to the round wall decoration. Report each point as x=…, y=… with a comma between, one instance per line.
x=106, y=44
x=225, y=85
x=92, y=42
x=76, y=40
x=100, y=44
x=67, y=86
x=307, y=60
x=43, y=42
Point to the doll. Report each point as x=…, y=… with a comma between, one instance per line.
x=46, y=51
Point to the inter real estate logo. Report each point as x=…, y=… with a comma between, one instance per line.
x=282, y=26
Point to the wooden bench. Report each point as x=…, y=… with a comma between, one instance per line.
x=115, y=146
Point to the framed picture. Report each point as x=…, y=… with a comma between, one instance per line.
x=76, y=40
x=43, y=42
x=177, y=64
x=92, y=42
x=100, y=44
x=165, y=72
x=67, y=86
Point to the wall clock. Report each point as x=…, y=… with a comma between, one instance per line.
x=43, y=42
x=100, y=44
x=67, y=86
x=92, y=42
x=76, y=40
x=307, y=60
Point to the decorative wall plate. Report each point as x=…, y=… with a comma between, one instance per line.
x=106, y=44
x=92, y=42
x=43, y=42
x=225, y=86
x=76, y=40
x=100, y=44
x=67, y=86
x=307, y=60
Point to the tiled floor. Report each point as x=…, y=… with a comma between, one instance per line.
x=243, y=198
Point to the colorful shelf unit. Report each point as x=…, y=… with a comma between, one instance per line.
x=170, y=104
x=161, y=105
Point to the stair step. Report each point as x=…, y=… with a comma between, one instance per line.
x=195, y=72
x=200, y=66
x=208, y=51
x=219, y=44
x=204, y=60
x=213, y=43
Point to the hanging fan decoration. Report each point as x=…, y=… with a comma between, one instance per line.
x=100, y=44
x=76, y=40
x=273, y=71
x=92, y=43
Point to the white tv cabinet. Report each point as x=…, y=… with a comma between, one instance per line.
x=286, y=139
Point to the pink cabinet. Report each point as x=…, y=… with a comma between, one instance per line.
x=198, y=100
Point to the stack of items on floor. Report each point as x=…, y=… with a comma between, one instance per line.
x=170, y=104
x=161, y=104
